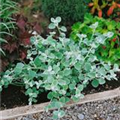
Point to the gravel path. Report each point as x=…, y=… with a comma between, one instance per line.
x=100, y=110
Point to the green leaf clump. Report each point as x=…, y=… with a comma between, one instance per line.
x=69, y=10
x=61, y=67
x=109, y=51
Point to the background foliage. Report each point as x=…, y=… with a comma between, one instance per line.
x=105, y=8
x=7, y=23
x=110, y=51
x=69, y=10
x=26, y=19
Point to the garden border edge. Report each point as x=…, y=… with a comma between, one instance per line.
x=26, y=110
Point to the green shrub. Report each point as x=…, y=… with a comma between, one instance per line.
x=110, y=51
x=7, y=9
x=68, y=10
x=61, y=67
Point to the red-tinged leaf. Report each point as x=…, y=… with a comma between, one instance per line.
x=13, y=46
x=114, y=40
x=10, y=47
x=23, y=55
x=100, y=13
x=21, y=24
x=25, y=34
x=110, y=11
x=37, y=28
x=25, y=38
x=4, y=63
x=104, y=47
x=90, y=4
x=114, y=4
x=118, y=5
x=26, y=41
x=93, y=10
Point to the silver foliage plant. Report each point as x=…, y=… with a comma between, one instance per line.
x=61, y=67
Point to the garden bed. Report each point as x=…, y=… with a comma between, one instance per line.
x=102, y=97
x=15, y=101
x=56, y=65
x=14, y=96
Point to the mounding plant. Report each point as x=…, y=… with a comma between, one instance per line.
x=61, y=66
x=69, y=10
x=7, y=23
x=110, y=50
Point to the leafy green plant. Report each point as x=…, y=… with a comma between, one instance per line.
x=110, y=51
x=69, y=10
x=102, y=5
x=61, y=67
x=7, y=8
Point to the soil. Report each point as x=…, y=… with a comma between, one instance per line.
x=14, y=96
x=108, y=86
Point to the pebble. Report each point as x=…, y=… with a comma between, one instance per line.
x=99, y=110
x=81, y=116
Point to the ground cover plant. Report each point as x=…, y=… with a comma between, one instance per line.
x=110, y=51
x=55, y=64
x=69, y=10
x=61, y=66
